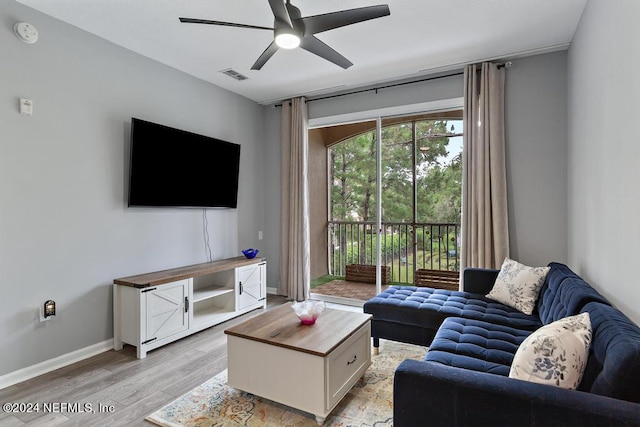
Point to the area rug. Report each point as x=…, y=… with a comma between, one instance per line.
x=369, y=403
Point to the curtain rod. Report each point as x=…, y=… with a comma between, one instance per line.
x=381, y=87
x=507, y=64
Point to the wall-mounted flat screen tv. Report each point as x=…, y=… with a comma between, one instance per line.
x=175, y=168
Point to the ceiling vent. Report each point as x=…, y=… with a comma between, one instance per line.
x=234, y=74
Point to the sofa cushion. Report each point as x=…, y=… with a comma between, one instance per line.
x=564, y=294
x=476, y=345
x=613, y=368
x=428, y=307
x=555, y=354
x=518, y=285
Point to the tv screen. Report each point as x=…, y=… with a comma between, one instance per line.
x=175, y=168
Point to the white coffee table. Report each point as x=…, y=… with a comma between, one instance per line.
x=310, y=368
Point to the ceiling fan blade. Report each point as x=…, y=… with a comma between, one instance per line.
x=316, y=46
x=266, y=55
x=226, y=24
x=280, y=12
x=328, y=21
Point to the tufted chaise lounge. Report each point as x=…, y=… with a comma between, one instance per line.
x=414, y=315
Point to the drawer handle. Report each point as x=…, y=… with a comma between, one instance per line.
x=355, y=357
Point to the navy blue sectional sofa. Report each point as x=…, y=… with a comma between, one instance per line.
x=463, y=380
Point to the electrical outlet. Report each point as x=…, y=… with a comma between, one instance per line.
x=259, y=235
x=41, y=314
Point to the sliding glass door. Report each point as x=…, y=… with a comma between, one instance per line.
x=393, y=201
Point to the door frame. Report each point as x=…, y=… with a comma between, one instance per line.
x=377, y=115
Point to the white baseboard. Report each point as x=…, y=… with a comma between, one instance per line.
x=52, y=364
x=272, y=291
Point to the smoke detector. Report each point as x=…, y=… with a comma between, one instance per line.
x=26, y=32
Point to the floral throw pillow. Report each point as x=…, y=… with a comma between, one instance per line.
x=556, y=354
x=518, y=285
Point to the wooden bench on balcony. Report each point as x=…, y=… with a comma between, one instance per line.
x=440, y=279
x=366, y=273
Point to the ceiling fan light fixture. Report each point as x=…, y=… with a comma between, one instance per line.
x=287, y=40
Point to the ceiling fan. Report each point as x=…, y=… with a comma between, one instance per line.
x=292, y=30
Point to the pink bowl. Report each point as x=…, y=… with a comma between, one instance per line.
x=308, y=311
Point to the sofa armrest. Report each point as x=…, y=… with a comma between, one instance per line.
x=478, y=280
x=426, y=393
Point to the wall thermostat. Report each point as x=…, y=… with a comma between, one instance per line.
x=26, y=32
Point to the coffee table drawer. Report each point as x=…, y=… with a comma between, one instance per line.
x=347, y=363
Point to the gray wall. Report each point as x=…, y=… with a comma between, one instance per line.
x=65, y=231
x=536, y=137
x=416, y=93
x=604, y=231
x=272, y=197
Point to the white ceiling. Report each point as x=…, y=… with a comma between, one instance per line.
x=420, y=37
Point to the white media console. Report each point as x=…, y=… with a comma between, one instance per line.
x=154, y=309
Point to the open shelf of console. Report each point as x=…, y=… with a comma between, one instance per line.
x=210, y=292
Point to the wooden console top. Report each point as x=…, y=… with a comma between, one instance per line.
x=165, y=276
x=282, y=328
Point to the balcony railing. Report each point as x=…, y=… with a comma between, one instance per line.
x=405, y=247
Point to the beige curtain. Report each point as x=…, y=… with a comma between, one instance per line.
x=294, y=229
x=485, y=228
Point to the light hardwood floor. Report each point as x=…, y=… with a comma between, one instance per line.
x=135, y=388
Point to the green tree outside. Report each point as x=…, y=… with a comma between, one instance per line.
x=412, y=152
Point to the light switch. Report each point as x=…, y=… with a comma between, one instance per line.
x=26, y=106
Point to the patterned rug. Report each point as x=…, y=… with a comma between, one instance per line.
x=369, y=403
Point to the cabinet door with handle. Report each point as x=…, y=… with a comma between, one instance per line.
x=166, y=309
x=251, y=285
